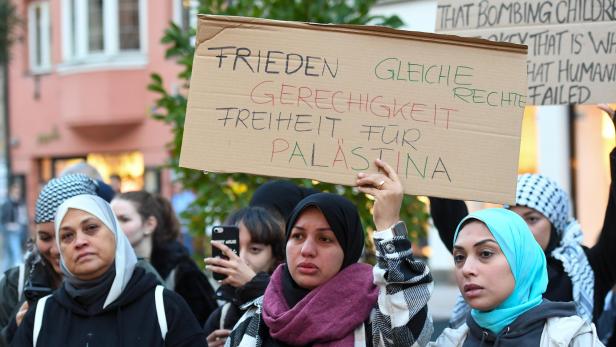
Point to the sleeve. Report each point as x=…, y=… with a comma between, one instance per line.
x=213, y=322
x=253, y=289
x=600, y=256
x=248, y=329
x=195, y=288
x=446, y=215
x=8, y=297
x=23, y=335
x=401, y=316
x=183, y=328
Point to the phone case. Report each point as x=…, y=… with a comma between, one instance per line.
x=228, y=235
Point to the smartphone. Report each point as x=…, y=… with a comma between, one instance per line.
x=228, y=235
x=33, y=294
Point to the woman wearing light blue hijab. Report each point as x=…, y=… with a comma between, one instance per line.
x=501, y=272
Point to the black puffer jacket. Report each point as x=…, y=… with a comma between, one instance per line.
x=131, y=320
x=183, y=276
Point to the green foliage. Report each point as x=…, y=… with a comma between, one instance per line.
x=220, y=194
x=8, y=23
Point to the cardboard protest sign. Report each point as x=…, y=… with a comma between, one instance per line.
x=571, y=44
x=315, y=101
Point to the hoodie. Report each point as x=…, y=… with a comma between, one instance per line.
x=526, y=330
x=130, y=320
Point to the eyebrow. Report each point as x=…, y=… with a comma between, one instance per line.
x=318, y=229
x=484, y=241
x=88, y=220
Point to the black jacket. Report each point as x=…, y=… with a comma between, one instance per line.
x=188, y=280
x=235, y=297
x=131, y=320
x=526, y=330
x=36, y=272
x=447, y=214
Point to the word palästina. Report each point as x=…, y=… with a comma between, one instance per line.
x=275, y=62
x=310, y=155
x=339, y=101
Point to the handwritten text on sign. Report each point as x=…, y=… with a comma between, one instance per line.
x=571, y=44
x=281, y=107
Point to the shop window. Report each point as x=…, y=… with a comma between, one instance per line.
x=129, y=166
x=39, y=38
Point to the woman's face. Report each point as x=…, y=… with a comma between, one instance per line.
x=313, y=252
x=538, y=224
x=482, y=272
x=257, y=256
x=46, y=244
x=133, y=226
x=87, y=245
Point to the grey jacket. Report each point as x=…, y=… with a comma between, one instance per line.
x=549, y=324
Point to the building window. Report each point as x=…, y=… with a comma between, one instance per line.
x=103, y=31
x=128, y=13
x=96, y=31
x=39, y=38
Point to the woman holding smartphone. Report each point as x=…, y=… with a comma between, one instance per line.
x=261, y=250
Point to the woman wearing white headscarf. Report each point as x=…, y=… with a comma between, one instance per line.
x=105, y=300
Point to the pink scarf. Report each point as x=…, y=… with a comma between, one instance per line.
x=328, y=315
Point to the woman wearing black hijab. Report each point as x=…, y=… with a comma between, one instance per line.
x=280, y=196
x=322, y=296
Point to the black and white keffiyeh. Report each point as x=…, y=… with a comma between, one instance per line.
x=57, y=190
x=544, y=195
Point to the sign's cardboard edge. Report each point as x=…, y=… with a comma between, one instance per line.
x=372, y=30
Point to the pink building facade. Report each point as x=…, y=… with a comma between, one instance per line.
x=78, y=89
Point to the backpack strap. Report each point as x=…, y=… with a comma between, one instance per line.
x=170, y=280
x=20, y=282
x=38, y=318
x=223, y=314
x=160, y=310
